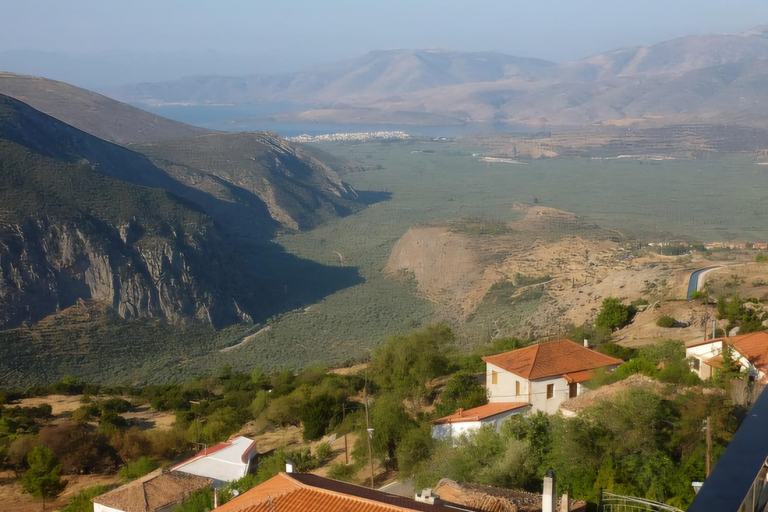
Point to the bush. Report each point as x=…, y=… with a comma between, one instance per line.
x=341, y=471
x=616, y=350
x=199, y=501
x=81, y=502
x=137, y=469
x=700, y=296
x=613, y=314
x=316, y=416
x=324, y=452
x=666, y=322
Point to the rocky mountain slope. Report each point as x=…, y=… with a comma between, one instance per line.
x=82, y=218
x=710, y=78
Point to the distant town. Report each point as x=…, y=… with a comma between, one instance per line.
x=330, y=137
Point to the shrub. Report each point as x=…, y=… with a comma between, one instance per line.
x=613, y=314
x=341, y=471
x=700, y=296
x=666, y=322
x=316, y=416
x=616, y=350
x=137, y=469
x=81, y=502
x=324, y=452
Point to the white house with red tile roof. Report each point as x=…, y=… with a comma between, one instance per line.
x=224, y=462
x=466, y=421
x=530, y=379
x=543, y=375
x=750, y=350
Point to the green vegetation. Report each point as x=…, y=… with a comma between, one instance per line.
x=138, y=468
x=666, y=321
x=82, y=500
x=43, y=478
x=613, y=314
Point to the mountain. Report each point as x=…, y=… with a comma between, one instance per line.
x=717, y=78
x=93, y=113
x=83, y=218
x=376, y=75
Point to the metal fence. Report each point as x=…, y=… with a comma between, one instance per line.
x=614, y=503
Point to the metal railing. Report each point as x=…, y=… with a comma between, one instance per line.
x=610, y=502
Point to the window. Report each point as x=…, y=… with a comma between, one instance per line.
x=573, y=389
x=494, y=377
x=695, y=364
x=517, y=388
x=550, y=391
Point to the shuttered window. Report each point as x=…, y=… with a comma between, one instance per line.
x=550, y=390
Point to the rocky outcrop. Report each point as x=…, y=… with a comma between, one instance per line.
x=46, y=266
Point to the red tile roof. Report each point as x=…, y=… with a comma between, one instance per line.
x=302, y=492
x=551, y=358
x=156, y=491
x=753, y=346
x=480, y=413
x=581, y=376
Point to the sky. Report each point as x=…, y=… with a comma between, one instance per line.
x=102, y=43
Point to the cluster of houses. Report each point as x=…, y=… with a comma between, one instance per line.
x=758, y=246
x=540, y=377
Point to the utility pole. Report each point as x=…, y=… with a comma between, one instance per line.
x=369, y=430
x=344, y=417
x=709, y=448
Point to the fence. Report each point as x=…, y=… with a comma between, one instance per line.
x=614, y=503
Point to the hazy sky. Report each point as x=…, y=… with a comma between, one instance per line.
x=159, y=39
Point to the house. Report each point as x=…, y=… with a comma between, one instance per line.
x=465, y=421
x=749, y=350
x=761, y=246
x=302, y=492
x=223, y=462
x=543, y=375
x=158, y=491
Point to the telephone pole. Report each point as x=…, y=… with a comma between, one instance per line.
x=709, y=448
x=344, y=417
x=369, y=430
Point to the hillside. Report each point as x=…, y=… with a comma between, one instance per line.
x=93, y=113
x=82, y=219
x=718, y=78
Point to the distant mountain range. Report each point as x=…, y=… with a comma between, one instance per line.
x=718, y=78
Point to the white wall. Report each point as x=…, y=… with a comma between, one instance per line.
x=504, y=389
x=539, y=400
x=97, y=507
x=456, y=430
x=708, y=350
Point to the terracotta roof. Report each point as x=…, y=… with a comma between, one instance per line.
x=153, y=492
x=495, y=499
x=302, y=492
x=480, y=413
x=551, y=358
x=581, y=376
x=753, y=346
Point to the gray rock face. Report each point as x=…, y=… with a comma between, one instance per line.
x=47, y=266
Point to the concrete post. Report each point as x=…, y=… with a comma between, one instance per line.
x=548, y=496
x=565, y=502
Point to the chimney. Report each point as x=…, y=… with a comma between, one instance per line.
x=565, y=503
x=290, y=466
x=586, y=343
x=427, y=497
x=548, y=496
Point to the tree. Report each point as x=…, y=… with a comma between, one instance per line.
x=390, y=422
x=461, y=391
x=613, y=314
x=316, y=415
x=666, y=321
x=406, y=363
x=43, y=478
x=416, y=446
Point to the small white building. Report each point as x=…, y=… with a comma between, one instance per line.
x=224, y=462
x=467, y=421
x=749, y=350
x=543, y=375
